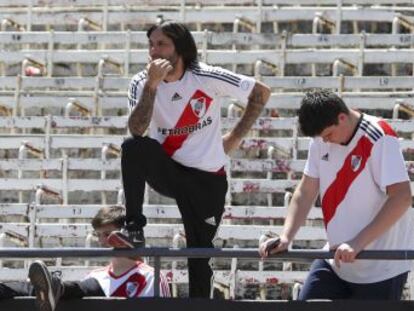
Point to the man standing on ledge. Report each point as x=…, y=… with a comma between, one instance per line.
x=183, y=156
x=356, y=166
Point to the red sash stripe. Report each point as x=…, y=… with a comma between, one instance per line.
x=174, y=142
x=337, y=191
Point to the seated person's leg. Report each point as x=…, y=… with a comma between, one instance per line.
x=85, y=288
x=50, y=289
x=15, y=289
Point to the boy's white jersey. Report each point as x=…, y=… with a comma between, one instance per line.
x=186, y=116
x=353, y=180
x=136, y=282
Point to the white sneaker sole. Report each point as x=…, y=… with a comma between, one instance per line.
x=40, y=279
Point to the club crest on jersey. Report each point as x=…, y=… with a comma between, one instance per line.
x=356, y=162
x=199, y=106
x=131, y=289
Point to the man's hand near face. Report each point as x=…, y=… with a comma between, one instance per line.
x=158, y=70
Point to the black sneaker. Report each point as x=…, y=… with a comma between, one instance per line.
x=48, y=290
x=125, y=238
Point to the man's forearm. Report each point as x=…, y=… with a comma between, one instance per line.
x=141, y=114
x=300, y=205
x=297, y=212
x=257, y=100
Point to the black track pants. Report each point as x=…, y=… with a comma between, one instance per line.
x=200, y=197
x=76, y=289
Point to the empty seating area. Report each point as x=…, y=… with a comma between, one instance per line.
x=65, y=68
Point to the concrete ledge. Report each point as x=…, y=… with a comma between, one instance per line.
x=182, y=304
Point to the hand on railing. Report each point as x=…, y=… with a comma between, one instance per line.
x=272, y=246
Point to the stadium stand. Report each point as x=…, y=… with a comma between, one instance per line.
x=65, y=68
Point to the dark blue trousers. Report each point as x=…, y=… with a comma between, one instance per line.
x=323, y=283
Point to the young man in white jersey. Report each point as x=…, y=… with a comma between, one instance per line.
x=123, y=277
x=356, y=166
x=183, y=155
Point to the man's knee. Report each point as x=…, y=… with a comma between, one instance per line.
x=138, y=144
x=131, y=142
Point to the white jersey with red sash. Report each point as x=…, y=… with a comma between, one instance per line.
x=353, y=180
x=186, y=116
x=136, y=282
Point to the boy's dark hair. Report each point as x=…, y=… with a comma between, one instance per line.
x=109, y=215
x=320, y=109
x=182, y=38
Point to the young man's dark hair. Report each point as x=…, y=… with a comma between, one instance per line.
x=110, y=215
x=319, y=109
x=182, y=38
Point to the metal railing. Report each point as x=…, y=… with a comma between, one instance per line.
x=157, y=253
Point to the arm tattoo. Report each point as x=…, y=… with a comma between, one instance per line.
x=257, y=99
x=141, y=114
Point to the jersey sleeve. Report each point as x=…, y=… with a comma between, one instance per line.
x=135, y=89
x=312, y=163
x=227, y=83
x=149, y=290
x=164, y=287
x=388, y=162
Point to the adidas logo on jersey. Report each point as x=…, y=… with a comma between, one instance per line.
x=325, y=157
x=176, y=97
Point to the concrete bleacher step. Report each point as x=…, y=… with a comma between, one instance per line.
x=74, y=273
x=204, y=14
x=78, y=141
x=359, y=100
x=157, y=231
x=216, y=39
x=115, y=3
x=110, y=84
x=221, y=57
x=80, y=211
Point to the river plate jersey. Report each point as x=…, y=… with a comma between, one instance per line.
x=186, y=116
x=353, y=180
x=136, y=282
